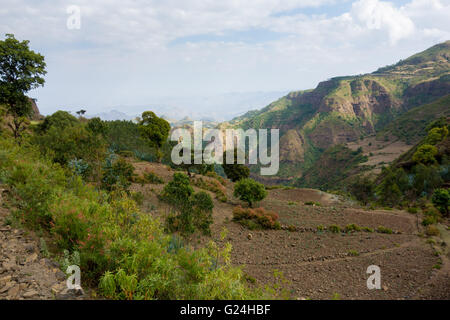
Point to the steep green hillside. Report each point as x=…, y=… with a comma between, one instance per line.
x=332, y=168
x=344, y=109
x=410, y=126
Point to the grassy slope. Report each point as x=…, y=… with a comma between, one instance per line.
x=410, y=126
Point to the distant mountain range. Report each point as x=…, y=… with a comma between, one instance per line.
x=221, y=107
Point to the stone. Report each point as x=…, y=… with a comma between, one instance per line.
x=68, y=294
x=8, y=286
x=29, y=248
x=14, y=291
x=32, y=258
x=30, y=294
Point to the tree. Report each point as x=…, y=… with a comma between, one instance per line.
x=235, y=171
x=154, y=130
x=81, y=112
x=250, y=191
x=388, y=191
x=194, y=209
x=425, y=154
x=178, y=191
x=21, y=70
x=60, y=120
x=117, y=174
x=97, y=126
x=363, y=189
x=441, y=200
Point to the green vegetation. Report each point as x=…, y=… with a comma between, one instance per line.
x=154, y=130
x=382, y=229
x=332, y=168
x=21, y=70
x=193, y=210
x=250, y=191
x=441, y=200
x=235, y=172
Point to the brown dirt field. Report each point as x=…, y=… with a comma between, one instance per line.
x=383, y=152
x=319, y=265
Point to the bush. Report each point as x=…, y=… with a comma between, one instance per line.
x=425, y=154
x=352, y=228
x=117, y=174
x=153, y=178
x=211, y=185
x=334, y=229
x=412, y=210
x=441, y=200
x=123, y=251
x=385, y=230
x=178, y=191
x=250, y=191
x=194, y=210
x=256, y=218
x=432, y=216
x=432, y=231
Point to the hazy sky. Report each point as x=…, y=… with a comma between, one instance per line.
x=133, y=52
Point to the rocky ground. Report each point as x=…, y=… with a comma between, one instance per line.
x=24, y=273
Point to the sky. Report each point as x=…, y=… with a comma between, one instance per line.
x=132, y=55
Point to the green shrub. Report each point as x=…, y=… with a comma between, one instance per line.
x=153, y=178
x=334, y=229
x=432, y=216
x=123, y=251
x=117, y=174
x=441, y=200
x=432, y=231
x=385, y=230
x=412, y=210
x=250, y=191
x=194, y=210
x=353, y=253
x=425, y=154
x=352, y=228
x=178, y=191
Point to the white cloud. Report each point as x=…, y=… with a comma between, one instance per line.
x=379, y=15
x=122, y=54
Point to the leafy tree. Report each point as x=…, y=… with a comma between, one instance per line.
x=426, y=179
x=63, y=138
x=250, y=191
x=178, y=191
x=194, y=209
x=97, y=126
x=388, y=191
x=363, y=189
x=202, y=208
x=441, y=200
x=21, y=70
x=425, y=154
x=155, y=130
x=436, y=135
x=117, y=174
x=235, y=171
x=81, y=112
x=59, y=119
